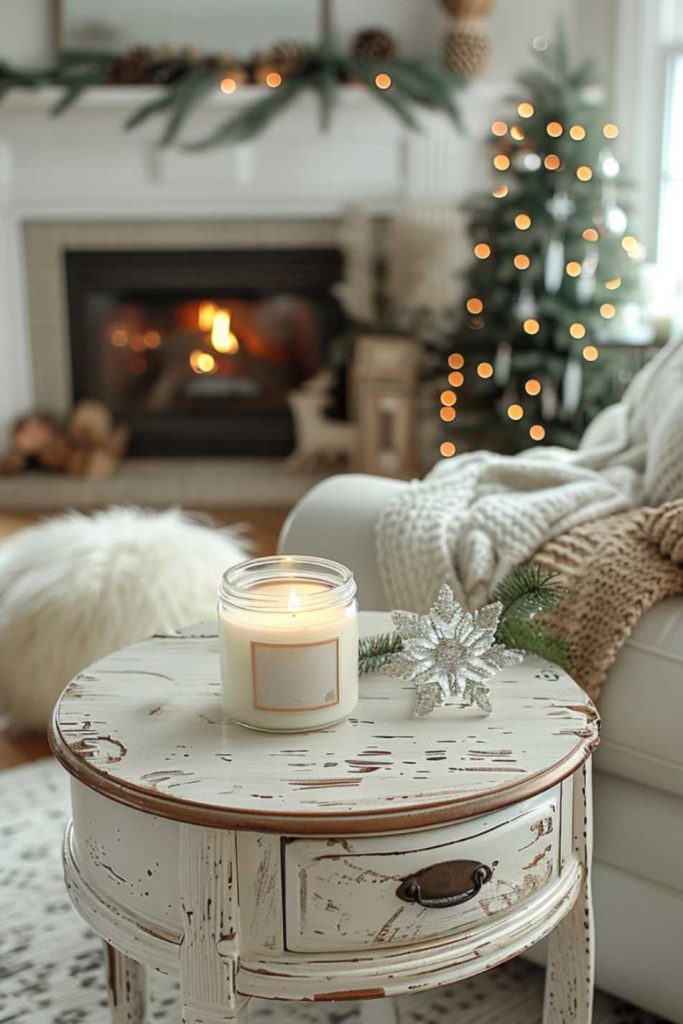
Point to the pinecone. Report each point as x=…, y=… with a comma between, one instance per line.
x=132, y=67
x=167, y=65
x=467, y=48
x=288, y=57
x=374, y=44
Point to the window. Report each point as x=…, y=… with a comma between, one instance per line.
x=670, y=232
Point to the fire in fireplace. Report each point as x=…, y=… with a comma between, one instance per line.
x=197, y=350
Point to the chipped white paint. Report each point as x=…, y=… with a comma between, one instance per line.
x=340, y=893
x=209, y=906
x=126, y=988
x=262, y=865
x=571, y=957
x=146, y=727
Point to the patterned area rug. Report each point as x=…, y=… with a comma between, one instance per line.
x=51, y=962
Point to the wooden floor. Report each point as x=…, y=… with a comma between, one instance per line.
x=264, y=526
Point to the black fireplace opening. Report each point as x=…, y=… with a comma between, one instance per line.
x=197, y=350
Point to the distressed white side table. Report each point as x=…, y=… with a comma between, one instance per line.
x=381, y=856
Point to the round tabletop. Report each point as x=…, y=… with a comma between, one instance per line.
x=145, y=727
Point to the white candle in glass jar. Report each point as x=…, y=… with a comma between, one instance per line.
x=288, y=631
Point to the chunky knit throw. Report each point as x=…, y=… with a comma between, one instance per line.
x=477, y=515
x=613, y=571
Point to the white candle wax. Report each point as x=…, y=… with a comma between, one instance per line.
x=292, y=665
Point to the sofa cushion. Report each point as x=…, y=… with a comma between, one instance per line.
x=642, y=703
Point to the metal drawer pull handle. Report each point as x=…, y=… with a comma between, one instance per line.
x=445, y=885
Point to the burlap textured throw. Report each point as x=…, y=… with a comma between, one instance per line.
x=613, y=570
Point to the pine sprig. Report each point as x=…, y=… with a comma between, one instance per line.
x=524, y=592
x=375, y=651
x=527, y=635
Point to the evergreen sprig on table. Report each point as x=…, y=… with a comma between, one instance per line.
x=524, y=593
x=375, y=651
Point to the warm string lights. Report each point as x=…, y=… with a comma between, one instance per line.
x=273, y=79
x=531, y=161
x=448, y=397
x=516, y=412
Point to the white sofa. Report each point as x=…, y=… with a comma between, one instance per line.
x=638, y=872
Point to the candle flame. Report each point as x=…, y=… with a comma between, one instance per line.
x=294, y=601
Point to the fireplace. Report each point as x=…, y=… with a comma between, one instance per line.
x=196, y=350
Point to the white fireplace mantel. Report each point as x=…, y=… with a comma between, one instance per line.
x=84, y=166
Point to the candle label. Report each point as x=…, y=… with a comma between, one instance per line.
x=295, y=677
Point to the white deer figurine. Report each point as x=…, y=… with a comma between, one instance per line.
x=320, y=441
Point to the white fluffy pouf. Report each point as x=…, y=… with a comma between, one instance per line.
x=77, y=587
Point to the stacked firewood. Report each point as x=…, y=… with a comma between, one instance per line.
x=87, y=444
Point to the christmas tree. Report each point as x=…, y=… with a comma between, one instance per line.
x=553, y=263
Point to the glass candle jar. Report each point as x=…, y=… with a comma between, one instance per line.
x=288, y=631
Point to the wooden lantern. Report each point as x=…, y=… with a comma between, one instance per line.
x=385, y=371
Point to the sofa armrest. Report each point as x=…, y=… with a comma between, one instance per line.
x=337, y=519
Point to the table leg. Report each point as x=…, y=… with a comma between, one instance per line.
x=571, y=954
x=126, y=987
x=209, y=905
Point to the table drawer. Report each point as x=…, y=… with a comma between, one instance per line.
x=341, y=893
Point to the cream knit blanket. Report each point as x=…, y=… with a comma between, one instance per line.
x=476, y=516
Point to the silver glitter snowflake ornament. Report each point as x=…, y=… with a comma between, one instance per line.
x=449, y=653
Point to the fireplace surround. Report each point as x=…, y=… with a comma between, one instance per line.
x=78, y=184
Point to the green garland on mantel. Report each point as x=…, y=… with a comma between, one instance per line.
x=415, y=83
